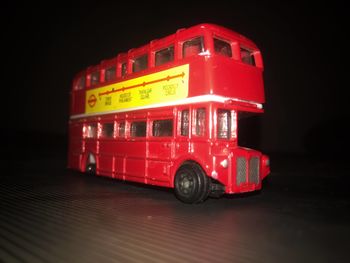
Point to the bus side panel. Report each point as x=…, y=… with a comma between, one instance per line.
x=106, y=150
x=135, y=154
x=159, y=161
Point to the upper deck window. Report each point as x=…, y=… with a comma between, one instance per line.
x=124, y=69
x=80, y=84
x=222, y=47
x=164, y=55
x=192, y=47
x=95, y=78
x=247, y=56
x=110, y=73
x=140, y=63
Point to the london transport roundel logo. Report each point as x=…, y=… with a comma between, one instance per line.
x=92, y=100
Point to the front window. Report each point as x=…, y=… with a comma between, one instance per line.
x=247, y=56
x=193, y=47
x=140, y=63
x=222, y=47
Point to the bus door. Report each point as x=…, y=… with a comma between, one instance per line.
x=90, y=143
x=160, y=150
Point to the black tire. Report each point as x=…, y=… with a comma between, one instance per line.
x=191, y=184
x=91, y=168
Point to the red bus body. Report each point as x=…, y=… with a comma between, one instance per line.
x=151, y=141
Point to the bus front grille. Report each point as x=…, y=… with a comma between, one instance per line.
x=252, y=170
x=241, y=170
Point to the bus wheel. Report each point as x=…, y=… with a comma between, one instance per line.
x=191, y=184
x=91, y=169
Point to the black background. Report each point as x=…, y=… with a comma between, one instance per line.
x=53, y=214
x=303, y=46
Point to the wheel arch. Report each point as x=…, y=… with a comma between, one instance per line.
x=180, y=163
x=89, y=158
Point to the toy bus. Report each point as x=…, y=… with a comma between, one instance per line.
x=167, y=114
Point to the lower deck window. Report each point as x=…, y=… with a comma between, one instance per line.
x=224, y=124
x=162, y=128
x=121, y=129
x=185, y=121
x=138, y=129
x=90, y=130
x=107, y=130
x=200, y=122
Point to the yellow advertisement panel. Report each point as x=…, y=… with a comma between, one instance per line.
x=160, y=87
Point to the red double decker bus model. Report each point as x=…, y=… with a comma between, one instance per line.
x=167, y=114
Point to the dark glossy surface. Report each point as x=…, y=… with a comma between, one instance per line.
x=50, y=214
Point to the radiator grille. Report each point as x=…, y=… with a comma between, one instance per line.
x=254, y=170
x=241, y=170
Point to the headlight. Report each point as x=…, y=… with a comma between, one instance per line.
x=224, y=163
